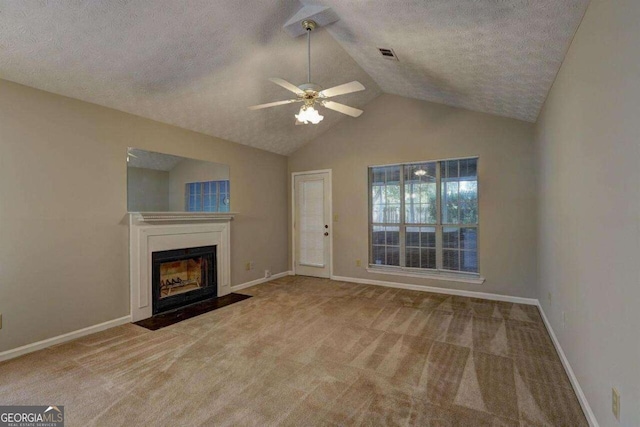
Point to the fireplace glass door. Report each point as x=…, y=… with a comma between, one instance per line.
x=183, y=276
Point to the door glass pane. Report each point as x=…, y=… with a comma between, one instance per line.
x=311, y=219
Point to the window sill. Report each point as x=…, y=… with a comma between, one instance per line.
x=449, y=277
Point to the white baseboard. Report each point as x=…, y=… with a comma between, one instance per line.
x=591, y=418
x=261, y=280
x=29, y=348
x=472, y=294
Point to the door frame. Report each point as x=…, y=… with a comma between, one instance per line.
x=293, y=217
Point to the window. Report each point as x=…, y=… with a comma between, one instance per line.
x=424, y=216
x=209, y=196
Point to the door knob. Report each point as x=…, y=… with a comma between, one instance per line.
x=326, y=233
x=326, y=226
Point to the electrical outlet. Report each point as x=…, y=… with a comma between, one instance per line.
x=267, y=273
x=358, y=263
x=615, y=403
x=248, y=266
x=335, y=217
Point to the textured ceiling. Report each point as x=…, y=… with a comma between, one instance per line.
x=198, y=64
x=495, y=56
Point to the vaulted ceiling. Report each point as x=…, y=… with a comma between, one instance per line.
x=198, y=64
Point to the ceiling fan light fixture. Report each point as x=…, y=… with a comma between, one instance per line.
x=308, y=114
x=420, y=172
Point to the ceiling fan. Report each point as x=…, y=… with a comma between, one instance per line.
x=312, y=94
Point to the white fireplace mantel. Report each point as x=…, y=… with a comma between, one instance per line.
x=154, y=217
x=161, y=231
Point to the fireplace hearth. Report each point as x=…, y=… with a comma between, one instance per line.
x=183, y=276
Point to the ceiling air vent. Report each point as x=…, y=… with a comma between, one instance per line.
x=388, y=54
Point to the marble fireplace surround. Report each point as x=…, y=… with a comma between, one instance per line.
x=161, y=231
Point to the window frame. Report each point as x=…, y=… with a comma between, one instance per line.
x=439, y=272
x=219, y=200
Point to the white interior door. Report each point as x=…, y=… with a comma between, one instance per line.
x=312, y=235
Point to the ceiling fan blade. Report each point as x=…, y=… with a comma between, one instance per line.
x=354, y=86
x=341, y=108
x=288, y=86
x=271, y=104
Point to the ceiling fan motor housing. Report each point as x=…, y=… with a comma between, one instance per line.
x=310, y=87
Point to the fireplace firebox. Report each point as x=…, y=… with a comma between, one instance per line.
x=183, y=276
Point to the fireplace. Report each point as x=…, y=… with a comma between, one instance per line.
x=157, y=232
x=183, y=276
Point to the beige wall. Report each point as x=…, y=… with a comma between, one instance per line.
x=63, y=204
x=395, y=129
x=147, y=190
x=588, y=147
x=190, y=170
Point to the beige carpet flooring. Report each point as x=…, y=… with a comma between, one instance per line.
x=305, y=352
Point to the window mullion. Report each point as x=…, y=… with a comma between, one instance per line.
x=402, y=220
x=439, y=253
x=370, y=216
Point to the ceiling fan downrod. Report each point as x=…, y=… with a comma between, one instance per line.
x=309, y=25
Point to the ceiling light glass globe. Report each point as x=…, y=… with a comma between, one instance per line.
x=309, y=114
